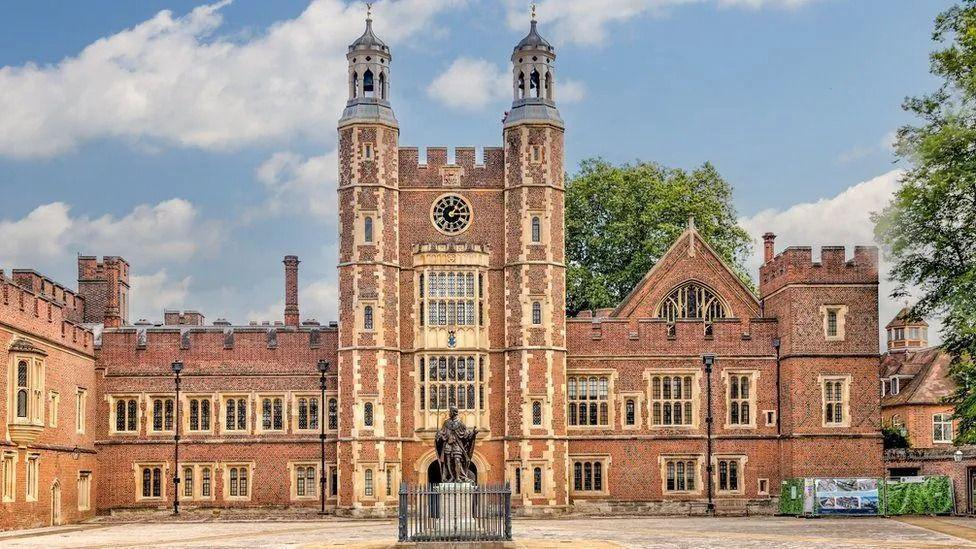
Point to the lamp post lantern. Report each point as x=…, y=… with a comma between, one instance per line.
x=708, y=361
x=323, y=366
x=177, y=368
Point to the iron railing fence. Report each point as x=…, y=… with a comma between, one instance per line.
x=455, y=512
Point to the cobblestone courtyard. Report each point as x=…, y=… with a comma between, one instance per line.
x=577, y=532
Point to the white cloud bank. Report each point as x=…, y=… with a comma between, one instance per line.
x=839, y=220
x=174, y=79
x=320, y=296
x=473, y=84
x=587, y=21
x=299, y=184
x=170, y=232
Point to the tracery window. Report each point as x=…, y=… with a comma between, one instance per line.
x=729, y=474
x=333, y=414
x=588, y=400
x=308, y=413
x=691, y=301
x=740, y=400
x=163, y=414
x=680, y=475
x=199, y=414
x=588, y=476
x=672, y=400
x=235, y=414
x=126, y=415
x=271, y=414
x=447, y=298
x=452, y=380
x=238, y=485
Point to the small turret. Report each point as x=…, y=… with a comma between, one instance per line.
x=369, y=79
x=906, y=333
x=534, y=80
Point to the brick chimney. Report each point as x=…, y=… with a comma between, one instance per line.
x=769, y=251
x=291, y=290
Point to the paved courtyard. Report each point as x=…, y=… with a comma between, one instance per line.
x=576, y=532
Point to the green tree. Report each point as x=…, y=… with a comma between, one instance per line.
x=929, y=228
x=620, y=220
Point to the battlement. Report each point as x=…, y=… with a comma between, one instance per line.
x=74, y=304
x=90, y=269
x=795, y=265
x=438, y=171
x=41, y=313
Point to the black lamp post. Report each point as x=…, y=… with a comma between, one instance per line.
x=177, y=368
x=323, y=369
x=708, y=361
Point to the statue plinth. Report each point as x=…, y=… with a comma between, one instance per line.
x=456, y=510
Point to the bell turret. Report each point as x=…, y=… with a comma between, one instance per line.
x=369, y=79
x=534, y=80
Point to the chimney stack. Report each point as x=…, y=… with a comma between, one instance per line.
x=291, y=290
x=769, y=250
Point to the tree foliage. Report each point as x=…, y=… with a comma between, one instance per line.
x=929, y=228
x=620, y=220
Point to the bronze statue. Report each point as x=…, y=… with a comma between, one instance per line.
x=454, y=444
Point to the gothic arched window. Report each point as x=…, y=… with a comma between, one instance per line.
x=548, y=85
x=692, y=301
x=355, y=85
x=521, y=86
x=382, y=85
x=368, y=229
x=536, y=229
x=534, y=84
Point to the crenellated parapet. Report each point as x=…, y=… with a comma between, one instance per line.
x=795, y=265
x=41, y=313
x=263, y=348
x=467, y=170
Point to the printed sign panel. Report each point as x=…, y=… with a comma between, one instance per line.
x=847, y=496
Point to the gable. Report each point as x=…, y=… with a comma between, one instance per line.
x=690, y=259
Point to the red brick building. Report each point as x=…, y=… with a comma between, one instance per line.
x=452, y=284
x=915, y=384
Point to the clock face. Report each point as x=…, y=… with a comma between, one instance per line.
x=451, y=214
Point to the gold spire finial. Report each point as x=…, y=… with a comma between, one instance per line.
x=369, y=10
x=533, y=12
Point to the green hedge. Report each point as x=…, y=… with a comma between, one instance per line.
x=788, y=505
x=931, y=497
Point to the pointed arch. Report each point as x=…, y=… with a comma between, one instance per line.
x=534, y=84
x=692, y=300
x=521, y=86
x=369, y=89
x=383, y=90
x=354, y=82
x=548, y=85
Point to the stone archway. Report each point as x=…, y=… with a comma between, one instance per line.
x=423, y=465
x=434, y=472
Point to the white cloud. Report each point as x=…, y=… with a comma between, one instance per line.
x=473, y=84
x=839, y=220
x=175, y=80
x=299, y=185
x=150, y=294
x=587, y=21
x=170, y=231
x=884, y=145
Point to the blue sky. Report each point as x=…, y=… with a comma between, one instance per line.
x=197, y=141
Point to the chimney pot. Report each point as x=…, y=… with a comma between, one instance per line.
x=769, y=249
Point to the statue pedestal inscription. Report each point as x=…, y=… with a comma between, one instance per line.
x=456, y=511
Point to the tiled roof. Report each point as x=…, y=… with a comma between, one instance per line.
x=930, y=383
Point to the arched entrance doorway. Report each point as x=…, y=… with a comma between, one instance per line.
x=56, y=504
x=434, y=472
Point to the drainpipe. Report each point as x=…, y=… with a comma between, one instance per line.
x=779, y=398
x=708, y=360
